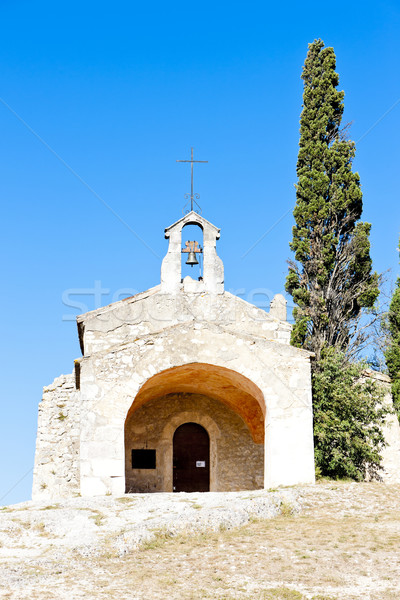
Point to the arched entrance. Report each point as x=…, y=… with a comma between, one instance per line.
x=226, y=406
x=226, y=385
x=191, y=459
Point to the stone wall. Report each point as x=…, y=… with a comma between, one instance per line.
x=56, y=472
x=112, y=379
x=236, y=462
x=391, y=431
x=151, y=312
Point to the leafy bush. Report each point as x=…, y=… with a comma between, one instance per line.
x=348, y=419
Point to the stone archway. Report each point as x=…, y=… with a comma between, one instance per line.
x=228, y=386
x=228, y=406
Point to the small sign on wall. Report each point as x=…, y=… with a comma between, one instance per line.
x=200, y=463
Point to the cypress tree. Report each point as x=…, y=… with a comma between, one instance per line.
x=331, y=279
x=392, y=354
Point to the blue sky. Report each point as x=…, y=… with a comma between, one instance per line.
x=98, y=100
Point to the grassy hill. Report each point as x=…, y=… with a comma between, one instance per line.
x=325, y=542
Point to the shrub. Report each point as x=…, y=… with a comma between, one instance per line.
x=348, y=417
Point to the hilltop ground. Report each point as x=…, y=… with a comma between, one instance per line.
x=330, y=541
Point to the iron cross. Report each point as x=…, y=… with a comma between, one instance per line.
x=191, y=168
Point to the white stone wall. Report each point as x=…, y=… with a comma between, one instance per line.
x=112, y=378
x=56, y=472
x=391, y=431
x=391, y=454
x=152, y=312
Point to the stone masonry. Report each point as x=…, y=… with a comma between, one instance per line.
x=56, y=471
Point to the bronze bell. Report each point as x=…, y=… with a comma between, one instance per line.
x=192, y=259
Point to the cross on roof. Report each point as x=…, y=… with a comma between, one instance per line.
x=192, y=195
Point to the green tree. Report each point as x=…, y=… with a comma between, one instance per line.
x=392, y=354
x=331, y=279
x=348, y=418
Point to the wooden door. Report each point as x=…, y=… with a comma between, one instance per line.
x=191, y=459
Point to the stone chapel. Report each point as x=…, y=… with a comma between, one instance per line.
x=184, y=387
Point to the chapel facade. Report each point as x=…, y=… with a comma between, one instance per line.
x=184, y=387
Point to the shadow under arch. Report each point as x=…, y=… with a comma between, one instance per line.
x=230, y=387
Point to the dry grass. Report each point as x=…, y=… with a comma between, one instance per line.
x=97, y=517
x=327, y=551
x=342, y=546
x=126, y=500
x=311, y=555
x=303, y=553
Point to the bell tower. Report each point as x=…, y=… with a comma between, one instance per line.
x=212, y=280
